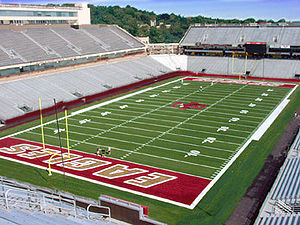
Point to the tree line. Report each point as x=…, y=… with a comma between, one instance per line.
x=169, y=28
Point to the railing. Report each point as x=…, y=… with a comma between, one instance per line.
x=28, y=198
x=98, y=208
x=38, y=6
x=285, y=208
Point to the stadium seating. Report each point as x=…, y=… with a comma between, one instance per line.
x=296, y=144
x=44, y=43
x=20, y=217
x=276, y=36
x=279, y=220
x=282, y=205
x=73, y=84
x=49, y=39
x=275, y=68
x=174, y=62
x=288, y=187
x=20, y=44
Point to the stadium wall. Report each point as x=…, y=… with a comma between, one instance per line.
x=119, y=90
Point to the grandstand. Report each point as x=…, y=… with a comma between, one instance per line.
x=283, y=202
x=85, y=81
x=51, y=44
x=264, y=45
x=277, y=40
x=271, y=68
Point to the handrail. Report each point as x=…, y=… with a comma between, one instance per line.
x=99, y=207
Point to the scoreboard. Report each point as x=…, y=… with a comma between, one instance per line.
x=256, y=47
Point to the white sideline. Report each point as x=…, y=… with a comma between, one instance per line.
x=278, y=110
x=121, y=98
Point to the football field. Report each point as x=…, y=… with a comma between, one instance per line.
x=196, y=127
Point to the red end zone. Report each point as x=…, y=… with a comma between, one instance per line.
x=176, y=188
x=249, y=82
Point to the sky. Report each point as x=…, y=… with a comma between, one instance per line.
x=240, y=9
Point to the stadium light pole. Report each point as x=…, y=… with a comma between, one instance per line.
x=60, y=145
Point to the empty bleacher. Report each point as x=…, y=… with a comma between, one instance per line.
x=280, y=220
x=73, y=84
x=296, y=144
x=272, y=68
x=22, y=46
x=276, y=36
x=288, y=187
x=282, y=205
x=39, y=43
x=174, y=62
x=48, y=39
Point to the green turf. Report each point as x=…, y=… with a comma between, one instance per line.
x=170, y=133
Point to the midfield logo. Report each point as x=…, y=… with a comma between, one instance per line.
x=191, y=105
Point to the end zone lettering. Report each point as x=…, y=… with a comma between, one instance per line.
x=164, y=185
x=30, y=151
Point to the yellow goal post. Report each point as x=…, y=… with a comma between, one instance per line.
x=245, y=65
x=43, y=138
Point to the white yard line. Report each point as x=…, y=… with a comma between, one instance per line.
x=205, y=132
x=196, y=145
x=93, y=128
x=167, y=149
x=244, y=104
x=141, y=153
x=231, y=100
x=234, y=124
x=181, y=135
x=233, y=114
x=217, y=128
x=206, y=147
x=94, y=107
x=261, y=130
x=128, y=121
x=159, y=136
x=221, y=123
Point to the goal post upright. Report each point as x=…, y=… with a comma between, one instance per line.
x=245, y=65
x=52, y=154
x=67, y=132
x=42, y=125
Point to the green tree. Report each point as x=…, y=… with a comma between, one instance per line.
x=133, y=20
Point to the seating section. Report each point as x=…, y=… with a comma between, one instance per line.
x=275, y=68
x=282, y=205
x=20, y=217
x=45, y=43
x=296, y=145
x=73, y=84
x=288, y=187
x=50, y=40
x=17, y=43
x=279, y=220
x=275, y=36
x=174, y=62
